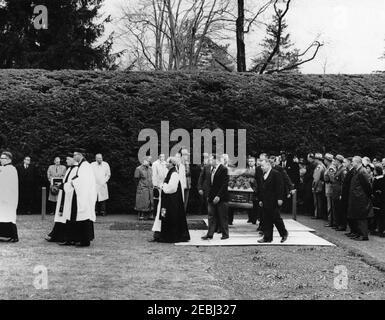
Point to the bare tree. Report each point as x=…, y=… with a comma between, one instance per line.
x=315, y=46
x=243, y=26
x=171, y=33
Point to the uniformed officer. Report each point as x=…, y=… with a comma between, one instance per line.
x=329, y=178
x=319, y=187
x=338, y=180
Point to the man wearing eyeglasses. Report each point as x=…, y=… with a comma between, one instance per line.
x=9, y=186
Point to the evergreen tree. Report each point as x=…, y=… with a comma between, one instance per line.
x=286, y=55
x=68, y=43
x=215, y=57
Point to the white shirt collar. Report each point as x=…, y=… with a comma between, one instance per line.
x=267, y=174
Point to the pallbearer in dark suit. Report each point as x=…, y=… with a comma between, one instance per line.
x=218, y=197
x=250, y=173
x=204, y=182
x=270, y=195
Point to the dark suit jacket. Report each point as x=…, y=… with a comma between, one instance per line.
x=287, y=183
x=258, y=179
x=204, y=181
x=345, y=189
x=292, y=169
x=27, y=177
x=271, y=190
x=219, y=187
x=360, y=192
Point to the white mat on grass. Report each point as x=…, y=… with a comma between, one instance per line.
x=299, y=238
x=290, y=224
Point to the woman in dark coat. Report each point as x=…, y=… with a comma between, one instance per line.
x=360, y=206
x=172, y=213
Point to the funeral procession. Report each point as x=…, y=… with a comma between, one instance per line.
x=192, y=157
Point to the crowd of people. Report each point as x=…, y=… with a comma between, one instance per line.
x=344, y=191
x=77, y=192
x=163, y=186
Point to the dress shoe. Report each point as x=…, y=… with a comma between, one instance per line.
x=264, y=241
x=341, y=229
x=67, y=243
x=284, y=238
x=224, y=237
x=206, y=237
x=355, y=236
x=83, y=244
x=349, y=234
x=361, y=238
x=12, y=240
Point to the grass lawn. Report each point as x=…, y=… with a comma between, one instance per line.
x=124, y=265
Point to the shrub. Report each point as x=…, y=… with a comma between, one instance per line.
x=46, y=114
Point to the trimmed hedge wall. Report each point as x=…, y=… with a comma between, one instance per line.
x=45, y=114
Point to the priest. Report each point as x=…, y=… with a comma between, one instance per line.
x=64, y=204
x=81, y=223
x=172, y=215
x=9, y=195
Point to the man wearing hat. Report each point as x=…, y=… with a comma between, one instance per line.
x=329, y=178
x=319, y=187
x=339, y=177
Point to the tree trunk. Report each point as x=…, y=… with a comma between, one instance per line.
x=240, y=24
x=240, y=31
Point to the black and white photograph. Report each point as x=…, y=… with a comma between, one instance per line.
x=193, y=155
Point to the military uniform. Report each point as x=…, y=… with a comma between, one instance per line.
x=337, y=182
x=319, y=190
x=329, y=179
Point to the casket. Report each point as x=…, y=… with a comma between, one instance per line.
x=240, y=189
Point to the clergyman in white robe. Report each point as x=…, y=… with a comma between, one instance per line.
x=84, y=197
x=63, y=208
x=9, y=195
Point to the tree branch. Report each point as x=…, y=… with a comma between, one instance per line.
x=295, y=65
x=279, y=33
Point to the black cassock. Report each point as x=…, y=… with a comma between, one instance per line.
x=174, y=223
x=79, y=231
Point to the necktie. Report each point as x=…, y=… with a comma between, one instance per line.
x=212, y=174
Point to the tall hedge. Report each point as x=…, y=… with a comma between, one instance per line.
x=45, y=114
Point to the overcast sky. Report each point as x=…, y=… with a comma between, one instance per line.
x=353, y=32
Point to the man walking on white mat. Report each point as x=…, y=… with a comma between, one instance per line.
x=270, y=195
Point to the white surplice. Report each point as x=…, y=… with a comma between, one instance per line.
x=9, y=193
x=86, y=194
x=65, y=215
x=168, y=188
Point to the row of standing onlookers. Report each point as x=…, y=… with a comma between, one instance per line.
x=28, y=182
x=345, y=191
